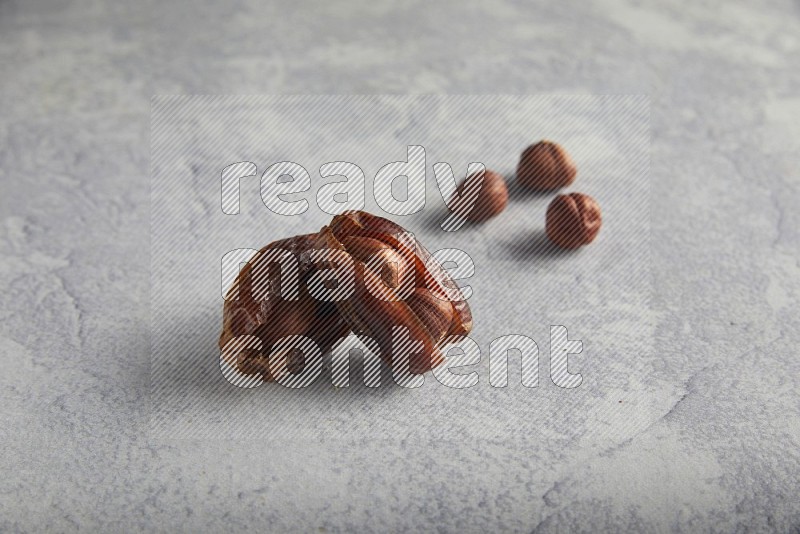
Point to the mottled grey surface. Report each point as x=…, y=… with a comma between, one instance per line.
x=714, y=443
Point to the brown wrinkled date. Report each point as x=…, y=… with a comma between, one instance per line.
x=403, y=288
x=396, y=284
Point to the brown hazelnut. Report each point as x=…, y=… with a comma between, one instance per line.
x=573, y=220
x=492, y=197
x=545, y=165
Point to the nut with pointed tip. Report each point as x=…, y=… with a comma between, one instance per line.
x=545, y=165
x=573, y=220
x=487, y=198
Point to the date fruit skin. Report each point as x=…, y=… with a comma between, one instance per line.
x=491, y=199
x=544, y=166
x=275, y=317
x=397, y=284
x=412, y=290
x=573, y=220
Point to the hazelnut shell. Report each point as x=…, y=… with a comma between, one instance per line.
x=573, y=220
x=491, y=200
x=545, y=165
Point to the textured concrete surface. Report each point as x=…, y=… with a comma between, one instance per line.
x=711, y=445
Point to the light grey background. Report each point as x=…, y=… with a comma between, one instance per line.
x=521, y=285
x=713, y=447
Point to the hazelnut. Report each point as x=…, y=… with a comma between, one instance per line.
x=573, y=220
x=545, y=165
x=492, y=197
